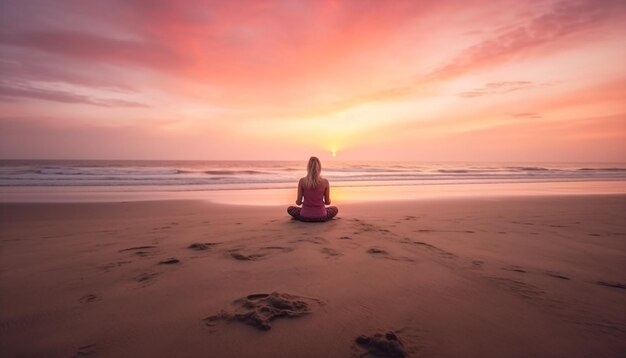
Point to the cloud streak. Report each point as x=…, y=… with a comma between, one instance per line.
x=91, y=47
x=498, y=88
x=11, y=93
x=528, y=115
x=566, y=20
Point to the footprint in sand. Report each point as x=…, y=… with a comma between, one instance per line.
x=259, y=253
x=260, y=309
x=136, y=248
x=140, y=250
x=330, y=252
x=146, y=279
x=378, y=252
x=556, y=274
x=85, y=351
x=613, y=284
x=382, y=345
x=313, y=240
x=514, y=268
x=365, y=227
x=169, y=261
x=110, y=266
x=242, y=257
x=201, y=246
x=439, y=252
x=89, y=298
x=349, y=242
x=431, y=230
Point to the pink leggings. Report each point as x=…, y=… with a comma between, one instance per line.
x=331, y=211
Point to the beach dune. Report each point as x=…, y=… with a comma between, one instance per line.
x=477, y=277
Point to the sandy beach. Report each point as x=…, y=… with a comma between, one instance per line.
x=475, y=277
x=151, y=153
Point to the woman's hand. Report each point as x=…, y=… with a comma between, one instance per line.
x=298, y=202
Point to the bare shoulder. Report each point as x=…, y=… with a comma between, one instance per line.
x=325, y=182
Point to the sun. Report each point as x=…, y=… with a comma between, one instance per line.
x=334, y=153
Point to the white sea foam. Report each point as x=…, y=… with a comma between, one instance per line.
x=204, y=175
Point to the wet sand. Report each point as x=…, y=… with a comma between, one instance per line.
x=474, y=277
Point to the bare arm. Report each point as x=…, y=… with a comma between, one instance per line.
x=299, y=197
x=327, y=194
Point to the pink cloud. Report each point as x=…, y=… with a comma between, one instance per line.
x=566, y=20
x=25, y=92
x=498, y=87
x=91, y=47
x=42, y=68
x=529, y=115
x=294, y=48
x=243, y=47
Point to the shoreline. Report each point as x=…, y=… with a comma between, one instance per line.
x=282, y=196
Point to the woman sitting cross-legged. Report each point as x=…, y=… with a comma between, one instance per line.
x=313, y=195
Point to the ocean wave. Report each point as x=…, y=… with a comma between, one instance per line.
x=604, y=169
x=368, y=170
x=453, y=171
x=218, y=174
x=58, y=171
x=101, y=171
x=234, y=172
x=530, y=169
x=464, y=171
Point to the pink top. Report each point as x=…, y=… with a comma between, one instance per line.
x=313, y=204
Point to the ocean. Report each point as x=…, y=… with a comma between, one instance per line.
x=129, y=176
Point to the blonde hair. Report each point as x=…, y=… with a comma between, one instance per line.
x=313, y=170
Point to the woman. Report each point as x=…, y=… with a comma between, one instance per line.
x=313, y=195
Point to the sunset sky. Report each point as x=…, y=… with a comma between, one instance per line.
x=417, y=80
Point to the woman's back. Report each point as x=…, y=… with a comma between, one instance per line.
x=313, y=203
